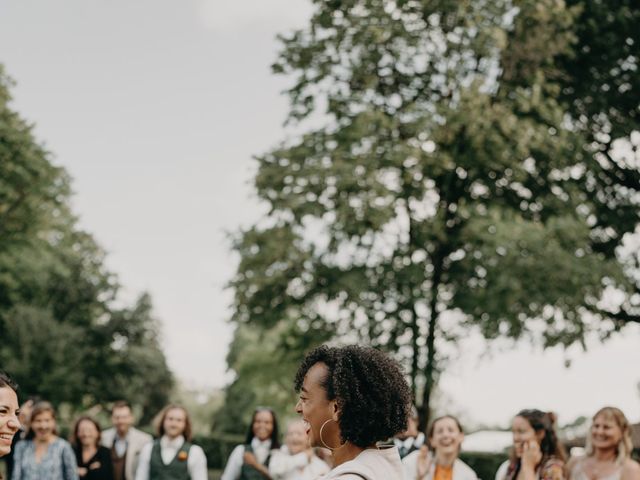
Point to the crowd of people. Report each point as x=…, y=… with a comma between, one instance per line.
x=356, y=423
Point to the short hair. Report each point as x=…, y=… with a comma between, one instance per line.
x=121, y=404
x=275, y=435
x=39, y=408
x=7, y=381
x=625, y=446
x=187, y=433
x=373, y=397
x=74, y=436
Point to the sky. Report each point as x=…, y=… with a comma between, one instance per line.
x=156, y=108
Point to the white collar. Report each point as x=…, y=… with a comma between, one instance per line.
x=257, y=443
x=175, y=443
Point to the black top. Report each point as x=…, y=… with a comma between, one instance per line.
x=99, y=467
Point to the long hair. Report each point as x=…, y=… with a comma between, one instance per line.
x=39, y=408
x=159, y=421
x=549, y=445
x=625, y=445
x=275, y=442
x=74, y=436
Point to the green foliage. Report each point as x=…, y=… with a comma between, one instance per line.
x=453, y=184
x=63, y=337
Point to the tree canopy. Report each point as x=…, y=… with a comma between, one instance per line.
x=65, y=335
x=464, y=176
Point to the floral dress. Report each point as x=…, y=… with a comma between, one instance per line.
x=58, y=463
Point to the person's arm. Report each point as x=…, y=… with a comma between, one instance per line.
x=197, y=463
x=69, y=465
x=142, y=472
x=234, y=464
x=282, y=463
x=251, y=460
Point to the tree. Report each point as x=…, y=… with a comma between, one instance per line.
x=445, y=191
x=63, y=337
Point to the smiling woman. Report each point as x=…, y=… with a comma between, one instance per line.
x=351, y=398
x=44, y=454
x=9, y=424
x=608, y=450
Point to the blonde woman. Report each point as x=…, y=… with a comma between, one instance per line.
x=608, y=450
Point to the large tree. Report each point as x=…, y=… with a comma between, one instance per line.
x=446, y=189
x=63, y=337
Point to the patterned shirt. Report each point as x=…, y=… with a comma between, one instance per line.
x=58, y=463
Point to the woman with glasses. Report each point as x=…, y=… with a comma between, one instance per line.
x=250, y=461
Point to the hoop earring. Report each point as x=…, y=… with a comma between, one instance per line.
x=322, y=440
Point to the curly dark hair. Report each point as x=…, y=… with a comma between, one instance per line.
x=373, y=397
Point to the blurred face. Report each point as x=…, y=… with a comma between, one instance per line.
x=88, y=433
x=316, y=409
x=43, y=425
x=605, y=433
x=523, y=432
x=447, y=437
x=122, y=419
x=174, y=422
x=25, y=413
x=9, y=423
x=297, y=439
x=262, y=427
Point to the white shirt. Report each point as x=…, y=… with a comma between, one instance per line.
x=196, y=462
x=261, y=450
x=284, y=466
x=120, y=445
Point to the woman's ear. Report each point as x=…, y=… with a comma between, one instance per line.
x=334, y=410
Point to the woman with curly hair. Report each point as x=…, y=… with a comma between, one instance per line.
x=608, y=450
x=537, y=454
x=351, y=398
x=439, y=461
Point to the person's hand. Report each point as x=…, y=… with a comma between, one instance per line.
x=82, y=471
x=531, y=454
x=250, y=459
x=424, y=462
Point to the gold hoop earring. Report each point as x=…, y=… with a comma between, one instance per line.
x=322, y=440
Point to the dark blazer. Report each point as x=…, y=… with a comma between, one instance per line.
x=99, y=466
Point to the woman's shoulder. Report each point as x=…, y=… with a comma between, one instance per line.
x=464, y=470
x=631, y=470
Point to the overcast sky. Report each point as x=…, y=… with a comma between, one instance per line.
x=155, y=107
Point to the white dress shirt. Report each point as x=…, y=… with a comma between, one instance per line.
x=196, y=462
x=261, y=450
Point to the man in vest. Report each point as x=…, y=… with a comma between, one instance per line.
x=125, y=441
x=172, y=456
